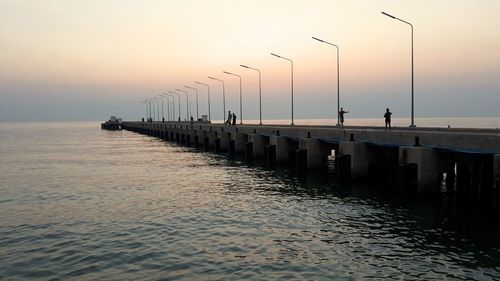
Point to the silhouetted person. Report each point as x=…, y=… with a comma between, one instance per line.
x=387, y=117
x=179, y=119
x=341, y=116
x=229, y=117
x=163, y=119
x=142, y=119
x=234, y=119
x=191, y=119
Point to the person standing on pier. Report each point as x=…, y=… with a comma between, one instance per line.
x=341, y=116
x=234, y=119
x=387, y=117
x=229, y=117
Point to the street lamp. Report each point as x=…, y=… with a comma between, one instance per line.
x=208, y=86
x=241, y=104
x=412, y=84
x=162, y=115
x=278, y=56
x=338, y=77
x=151, y=109
x=173, y=105
x=145, y=103
x=260, y=92
x=187, y=102
x=223, y=97
x=179, y=103
x=157, y=107
x=152, y=106
x=196, y=93
x=168, y=106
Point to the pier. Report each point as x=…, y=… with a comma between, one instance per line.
x=414, y=160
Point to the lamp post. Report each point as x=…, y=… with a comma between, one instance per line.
x=196, y=93
x=150, y=109
x=260, y=92
x=338, y=76
x=145, y=103
x=173, y=105
x=223, y=98
x=168, y=105
x=179, y=103
x=241, y=105
x=157, y=107
x=161, y=100
x=412, y=80
x=187, y=102
x=278, y=56
x=208, y=87
x=152, y=106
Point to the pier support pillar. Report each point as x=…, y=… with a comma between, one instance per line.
x=249, y=152
x=231, y=149
x=496, y=183
x=240, y=142
x=206, y=143
x=426, y=161
x=270, y=155
x=259, y=144
x=360, y=159
x=217, y=145
x=283, y=147
x=317, y=152
x=196, y=141
x=224, y=140
x=212, y=136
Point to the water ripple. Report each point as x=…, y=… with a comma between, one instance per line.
x=85, y=204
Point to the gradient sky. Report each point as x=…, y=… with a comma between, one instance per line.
x=89, y=59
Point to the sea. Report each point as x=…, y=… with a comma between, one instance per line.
x=81, y=203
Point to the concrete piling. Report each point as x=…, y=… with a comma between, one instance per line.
x=270, y=155
x=359, y=158
x=343, y=166
x=427, y=166
x=196, y=141
x=217, y=145
x=317, y=152
x=259, y=144
x=301, y=160
x=283, y=147
x=249, y=152
x=240, y=141
x=232, y=149
x=496, y=183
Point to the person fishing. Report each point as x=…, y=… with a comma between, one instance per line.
x=387, y=117
x=341, y=116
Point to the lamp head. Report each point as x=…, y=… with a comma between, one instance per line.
x=318, y=39
x=273, y=54
x=386, y=14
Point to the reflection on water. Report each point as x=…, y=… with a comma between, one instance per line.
x=78, y=202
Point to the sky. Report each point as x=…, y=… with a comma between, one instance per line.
x=72, y=60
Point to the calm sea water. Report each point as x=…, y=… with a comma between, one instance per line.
x=80, y=203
